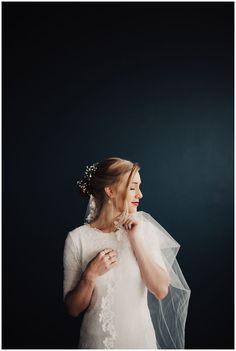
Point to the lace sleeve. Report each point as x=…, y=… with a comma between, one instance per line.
x=72, y=265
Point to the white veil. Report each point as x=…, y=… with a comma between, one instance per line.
x=169, y=314
x=91, y=210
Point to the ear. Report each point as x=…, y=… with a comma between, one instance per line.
x=109, y=191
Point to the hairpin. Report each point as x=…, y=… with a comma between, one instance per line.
x=89, y=171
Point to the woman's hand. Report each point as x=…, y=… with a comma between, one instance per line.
x=131, y=225
x=101, y=263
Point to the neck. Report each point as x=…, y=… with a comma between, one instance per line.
x=106, y=218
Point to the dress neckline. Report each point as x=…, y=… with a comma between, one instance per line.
x=100, y=231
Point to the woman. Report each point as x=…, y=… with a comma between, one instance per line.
x=120, y=267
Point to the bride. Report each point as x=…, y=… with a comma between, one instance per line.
x=120, y=267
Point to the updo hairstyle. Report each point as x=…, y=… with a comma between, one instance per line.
x=109, y=171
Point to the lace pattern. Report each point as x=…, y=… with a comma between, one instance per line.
x=106, y=316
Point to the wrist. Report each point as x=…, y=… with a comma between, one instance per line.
x=135, y=236
x=89, y=275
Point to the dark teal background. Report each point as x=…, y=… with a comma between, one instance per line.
x=150, y=82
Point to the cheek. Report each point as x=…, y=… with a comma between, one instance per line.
x=130, y=197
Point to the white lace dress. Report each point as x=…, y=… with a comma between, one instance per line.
x=118, y=316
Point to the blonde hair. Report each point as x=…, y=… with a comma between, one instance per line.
x=110, y=171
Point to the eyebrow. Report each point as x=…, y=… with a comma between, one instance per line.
x=136, y=182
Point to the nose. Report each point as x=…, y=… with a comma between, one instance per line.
x=139, y=194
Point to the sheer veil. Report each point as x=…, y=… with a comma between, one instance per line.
x=91, y=210
x=169, y=314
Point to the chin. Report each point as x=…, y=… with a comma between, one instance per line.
x=133, y=209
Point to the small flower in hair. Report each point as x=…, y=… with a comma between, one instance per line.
x=89, y=171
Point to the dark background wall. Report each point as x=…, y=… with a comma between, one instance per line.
x=151, y=82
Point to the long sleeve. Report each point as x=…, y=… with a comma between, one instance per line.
x=72, y=265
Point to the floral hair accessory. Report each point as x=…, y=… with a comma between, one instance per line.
x=89, y=171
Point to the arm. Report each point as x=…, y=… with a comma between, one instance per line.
x=154, y=276
x=79, y=298
x=78, y=285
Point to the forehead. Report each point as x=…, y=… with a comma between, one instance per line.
x=136, y=178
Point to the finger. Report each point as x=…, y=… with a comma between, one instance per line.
x=125, y=217
x=129, y=225
x=114, y=259
x=130, y=219
x=106, y=258
x=105, y=251
x=126, y=225
x=113, y=264
x=112, y=254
